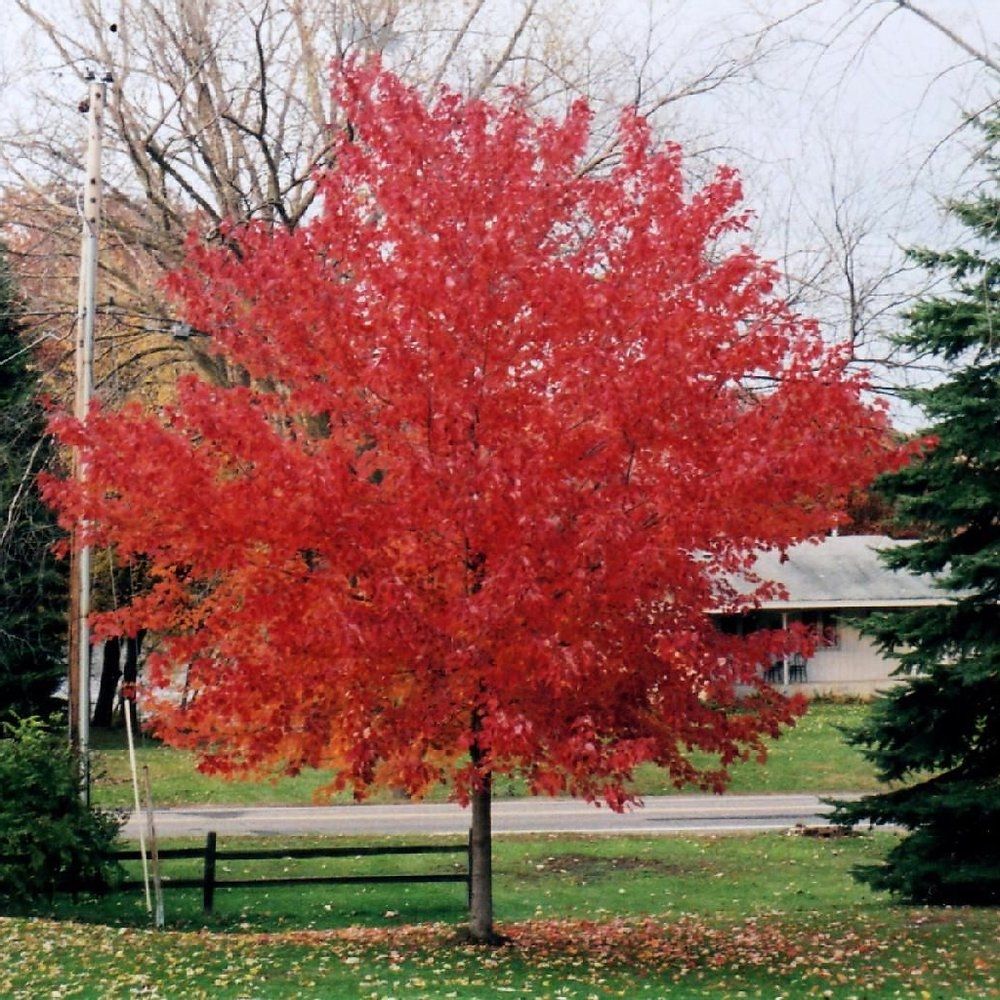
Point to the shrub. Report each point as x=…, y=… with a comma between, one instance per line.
x=49, y=838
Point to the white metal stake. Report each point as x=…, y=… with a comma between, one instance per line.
x=154, y=854
x=87, y=306
x=129, y=702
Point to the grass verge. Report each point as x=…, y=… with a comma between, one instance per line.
x=812, y=757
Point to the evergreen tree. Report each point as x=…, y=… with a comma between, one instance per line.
x=32, y=580
x=939, y=730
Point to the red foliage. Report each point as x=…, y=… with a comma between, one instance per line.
x=504, y=431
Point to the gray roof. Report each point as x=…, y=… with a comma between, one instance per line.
x=844, y=571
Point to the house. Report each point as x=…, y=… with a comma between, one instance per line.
x=830, y=585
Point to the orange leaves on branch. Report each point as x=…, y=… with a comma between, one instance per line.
x=505, y=431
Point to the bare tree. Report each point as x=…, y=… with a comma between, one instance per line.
x=222, y=111
x=841, y=263
x=838, y=213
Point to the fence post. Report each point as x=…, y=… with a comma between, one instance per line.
x=468, y=872
x=208, y=884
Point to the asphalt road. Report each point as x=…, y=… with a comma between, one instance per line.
x=659, y=814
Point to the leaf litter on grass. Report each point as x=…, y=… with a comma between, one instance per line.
x=688, y=956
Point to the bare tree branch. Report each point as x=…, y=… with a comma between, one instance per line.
x=963, y=43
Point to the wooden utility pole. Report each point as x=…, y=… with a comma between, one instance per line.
x=79, y=652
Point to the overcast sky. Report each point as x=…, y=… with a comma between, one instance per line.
x=873, y=92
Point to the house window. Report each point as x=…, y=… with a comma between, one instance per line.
x=827, y=627
x=731, y=624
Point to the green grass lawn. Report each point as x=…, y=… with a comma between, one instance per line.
x=766, y=915
x=812, y=757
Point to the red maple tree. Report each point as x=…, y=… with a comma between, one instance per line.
x=505, y=432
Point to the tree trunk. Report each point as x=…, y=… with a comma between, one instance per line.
x=481, y=898
x=111, y=673
x=481, y=851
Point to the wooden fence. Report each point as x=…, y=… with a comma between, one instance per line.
x=211, y=855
